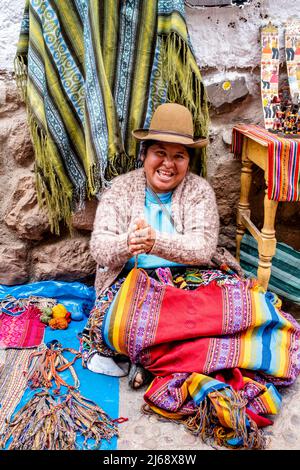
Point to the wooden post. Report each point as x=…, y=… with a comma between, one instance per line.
x=267, y=241
x=244, y=205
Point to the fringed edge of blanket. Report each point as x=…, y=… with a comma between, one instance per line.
x=189, y=89
x=118, y=164
x=212, y=428
x=21, y=76
x=53, y=195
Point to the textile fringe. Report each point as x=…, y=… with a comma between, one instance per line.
x=185, y=86
x=118, y=164
x=53, y=194
x=48, y=423
x=21, y=76
x=206, y=423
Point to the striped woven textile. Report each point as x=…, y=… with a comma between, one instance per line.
x=283, y=160
x=216, y=352
x=13, y=381
x=90, y=72
x=285, y=272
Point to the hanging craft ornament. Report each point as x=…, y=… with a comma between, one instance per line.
x=269, y=73
x=292, y=52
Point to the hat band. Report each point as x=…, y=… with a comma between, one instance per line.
x=152, y=131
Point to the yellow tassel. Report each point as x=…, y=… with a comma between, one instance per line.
x=21, y=76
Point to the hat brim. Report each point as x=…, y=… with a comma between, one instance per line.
x=143, y=134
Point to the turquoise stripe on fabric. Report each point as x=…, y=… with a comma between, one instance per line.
x=275, y=396
x=269, y=328
x=256, y=338
x=285, y=272
x=207, y=388
x=106, y=324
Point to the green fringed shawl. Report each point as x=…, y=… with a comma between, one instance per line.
x=90, y=72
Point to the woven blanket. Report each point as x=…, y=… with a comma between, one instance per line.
x=90, y=72
x=283, y=160
x=13, y=382
x=217, y=352
x=21, y=331
x=285, y=270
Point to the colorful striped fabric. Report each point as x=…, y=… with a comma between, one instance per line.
x=285, y=272
x=90, y=73
x=283, y=160
x=13, y=382
x=216, y=352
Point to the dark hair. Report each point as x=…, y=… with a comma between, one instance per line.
x=145, y=144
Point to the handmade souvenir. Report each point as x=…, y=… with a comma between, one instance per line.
x=292, y=50
x=269, y=72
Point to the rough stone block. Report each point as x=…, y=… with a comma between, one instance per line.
x=23, y=214
x=67, y=260
x=227, y=136
x=19, y=143
x=223, y=96
x=13, y=264
x=84, y=219
x=226, y=184
x=9, y=99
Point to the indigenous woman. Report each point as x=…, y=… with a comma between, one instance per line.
x=174, y=303
x=161, y=214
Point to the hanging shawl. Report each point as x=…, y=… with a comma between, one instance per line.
x=90, y=72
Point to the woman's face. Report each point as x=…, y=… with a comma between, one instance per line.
x=165, y=166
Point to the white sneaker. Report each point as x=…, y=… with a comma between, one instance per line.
x=105, y=365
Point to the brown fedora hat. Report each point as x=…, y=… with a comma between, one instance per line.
x=172, y=123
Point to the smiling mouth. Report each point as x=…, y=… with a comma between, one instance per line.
x=165, y=175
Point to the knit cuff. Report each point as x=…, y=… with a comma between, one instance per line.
x=123, y=250
x=162, y=245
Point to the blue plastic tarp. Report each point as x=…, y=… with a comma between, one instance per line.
x=75, y=296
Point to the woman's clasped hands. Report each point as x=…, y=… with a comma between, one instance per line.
x=141, y=238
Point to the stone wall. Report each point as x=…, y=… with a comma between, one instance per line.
x=226, y=44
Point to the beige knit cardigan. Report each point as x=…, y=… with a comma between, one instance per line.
x=193, y=209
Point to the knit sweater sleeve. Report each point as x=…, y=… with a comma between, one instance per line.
x=199, y=239
x=108, y=242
